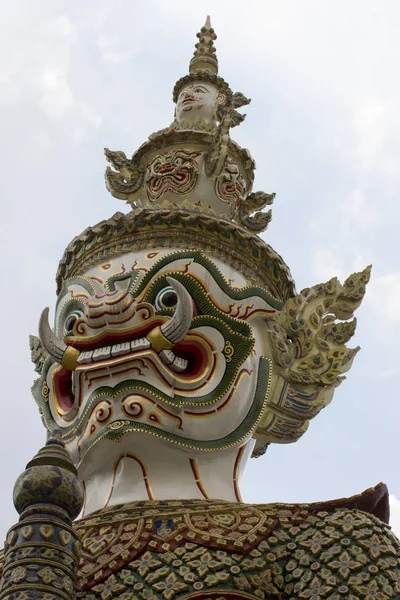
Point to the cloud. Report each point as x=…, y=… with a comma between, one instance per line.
x=110, y=49
x=326, y=263
x=65, y=27
x=395, y=514
x=389, y=373
x=332, y=261
x=358, y=210
x=376, y=123
x=58, y=101
x=369, y=123
x=57, y=96
x=384, y=298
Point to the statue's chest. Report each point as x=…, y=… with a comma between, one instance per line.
x=180, y=549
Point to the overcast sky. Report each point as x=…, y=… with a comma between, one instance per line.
x=324, y=129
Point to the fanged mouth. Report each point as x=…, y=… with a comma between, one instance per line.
x=159, y=339
x=126, y=346
x=175, y=363
x=189, y=359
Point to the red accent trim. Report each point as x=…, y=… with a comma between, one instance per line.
x=63, y=389
x=108, y=338
x=197, y=479
x=374, y=501
x=236, y=474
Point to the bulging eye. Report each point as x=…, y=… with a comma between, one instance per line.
x=166, y=298
x=71, y=320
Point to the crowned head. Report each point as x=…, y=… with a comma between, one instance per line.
x=202, y=93
x=199, y=100
x=172, y=345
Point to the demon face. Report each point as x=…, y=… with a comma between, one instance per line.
x=164, y=343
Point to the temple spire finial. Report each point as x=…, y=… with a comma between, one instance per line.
x=47, y=496
x=204, y=57
x=204, y=64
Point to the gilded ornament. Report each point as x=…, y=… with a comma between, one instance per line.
x=45, y=390
x=229, y=351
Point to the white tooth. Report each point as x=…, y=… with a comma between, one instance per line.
x=179, y=364
x=167, y=356
x=140, y=344
x=119, y=349
x=85, y=357
x=102, y=353
x=175, y=363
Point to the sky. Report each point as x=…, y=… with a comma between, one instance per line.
x=324, y=129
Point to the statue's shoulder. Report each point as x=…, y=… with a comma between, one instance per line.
x=144, y=548
x=206, y=544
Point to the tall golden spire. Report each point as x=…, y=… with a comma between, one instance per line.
x=204, y=63
x=204, y=57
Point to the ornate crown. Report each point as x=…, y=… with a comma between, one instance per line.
x=191, y=179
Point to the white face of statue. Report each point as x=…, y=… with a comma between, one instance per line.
x=199, y=100
x=205, y=390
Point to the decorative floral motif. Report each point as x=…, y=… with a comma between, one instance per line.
x=316, y=543
x=284, y=551
x=109, y=588
x=18, y=574
x=145, y=563
x=316, y=590
x=98, y=542
x=371, y=591
x=344, y=564
x=47, y=575
x=262, y=584
x=170, y=586
x=27, y=596
x=375, y=546
x=50, y=482
x=204, y=562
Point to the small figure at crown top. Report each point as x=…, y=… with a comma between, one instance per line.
x=199, y=100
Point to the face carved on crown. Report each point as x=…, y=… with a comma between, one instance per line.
x=199, y=100
x=230, y=185
x=176, y=172
x=162, y=343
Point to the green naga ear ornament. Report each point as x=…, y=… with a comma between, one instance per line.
x=180, y=349
x=308, y=345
